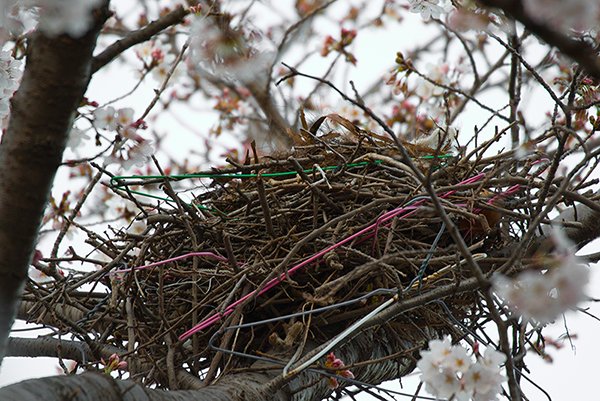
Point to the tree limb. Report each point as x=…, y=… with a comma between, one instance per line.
x=579, y=51
x=139, y=36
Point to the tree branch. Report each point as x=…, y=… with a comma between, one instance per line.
x=54, y=348
x=579, y=51
x=139, y=36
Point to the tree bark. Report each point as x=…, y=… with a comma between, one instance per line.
x=254, y=385
x=56, y=76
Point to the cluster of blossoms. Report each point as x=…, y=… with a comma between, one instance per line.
x=332, y=362
x=157, y=59
x=121, y=121
x=429, y=8
x=543, y=295
x=565, y=16
x=229, y=53
x=347, y=36
x=54, y=17
x=10, y=77
x=432, y=87
x=448, y=371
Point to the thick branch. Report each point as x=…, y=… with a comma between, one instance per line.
x=52, y=347
x=56, y=76
x=141, y=35
x=371, y=345
x=579, y=51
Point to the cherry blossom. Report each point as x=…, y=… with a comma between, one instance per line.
x=229, y=53
x=428, y=8
x=157, y=58
x=106, y=118
x=437, y=74
x=114, y=363
x=334, y=362
x=55, y=17
x=77, y=137
x=139, y=154
x=125, y=116
x=448, y=371
x=541, y=296
x=10, y=77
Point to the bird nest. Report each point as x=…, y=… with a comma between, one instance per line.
x=292, y=249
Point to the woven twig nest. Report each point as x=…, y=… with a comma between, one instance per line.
x=333, y=221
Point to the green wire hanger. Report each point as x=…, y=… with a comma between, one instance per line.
x=120, y=181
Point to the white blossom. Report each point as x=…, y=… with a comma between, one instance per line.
x=162, y=68
x=429, y=8
x=77, y=137
x=139, y=154
x=10, y=78
x=136, y=154
x=231, y=56
x=106, y=118
x=449, y=372
x=543, y=295
x=137, y=227
x=125, y=116
x=437, y=74
x=54, y=17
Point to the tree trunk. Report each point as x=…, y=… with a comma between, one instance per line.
x=56, y=77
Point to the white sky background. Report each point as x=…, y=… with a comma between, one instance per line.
x=573, y=375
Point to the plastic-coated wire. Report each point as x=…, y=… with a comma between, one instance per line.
x=342, y=336
x=355, y=326
x=370, y=294
x=428, y=257
x=178, y=177
x=120, y=181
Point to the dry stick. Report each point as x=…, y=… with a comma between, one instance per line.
x=171, y=375
x=312, y=187
x=233, y=320
x=561, y=142
x=514, y=84
x=260, y=186
x=131, y=338
x=452, y=229
x=531, y=70
x=460, y=107
x=68, y=221
x=230, y=255
x=163, y=86
x=281, y=48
